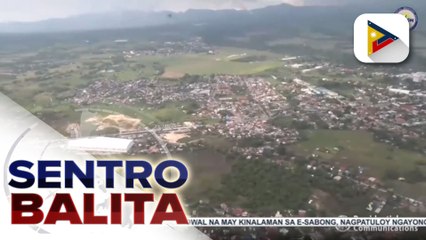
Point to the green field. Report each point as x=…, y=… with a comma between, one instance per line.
x=206, y=170
x=43, y=90
x=202, y=66
x=223, y=62
x=358, y=148
x=79, y=67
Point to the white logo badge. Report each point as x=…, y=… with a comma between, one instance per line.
x=381, y=38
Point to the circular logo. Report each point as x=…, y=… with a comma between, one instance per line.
x=410, y=14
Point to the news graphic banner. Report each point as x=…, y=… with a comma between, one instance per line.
x=50, y=189
x=312, y=222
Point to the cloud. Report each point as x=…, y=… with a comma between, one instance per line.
x=34, y=10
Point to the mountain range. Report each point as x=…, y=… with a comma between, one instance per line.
x=330, y=12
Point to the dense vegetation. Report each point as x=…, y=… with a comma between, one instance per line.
x=256, y=182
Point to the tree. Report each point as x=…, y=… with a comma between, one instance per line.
x=282, y=150
x=415, y=175
x=391, y=174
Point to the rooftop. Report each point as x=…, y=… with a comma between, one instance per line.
x=100, y=144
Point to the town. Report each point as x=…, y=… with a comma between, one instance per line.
x=263, y=117
x=264, y=133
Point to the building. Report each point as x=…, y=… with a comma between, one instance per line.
x=399, y=91
x=100, y=145
x=121, y=41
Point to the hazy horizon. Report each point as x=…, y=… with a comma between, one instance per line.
x=27, y=11
x=33, y=10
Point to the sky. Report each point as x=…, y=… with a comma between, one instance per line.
x=36, y=10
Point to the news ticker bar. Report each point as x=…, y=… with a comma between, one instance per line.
x=309, y=222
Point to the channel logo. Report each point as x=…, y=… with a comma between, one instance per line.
x=381, y=38
x=410, y=14
x=378, y=38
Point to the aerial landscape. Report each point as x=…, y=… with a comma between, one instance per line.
x=268, y=107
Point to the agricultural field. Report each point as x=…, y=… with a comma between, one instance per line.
x=358, y=148
x=43, y=79
x=222, y=62
x=58, y=72
x=206, y=166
